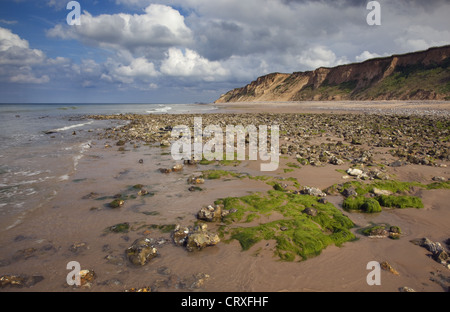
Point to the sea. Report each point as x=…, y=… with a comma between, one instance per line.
x=41, y=145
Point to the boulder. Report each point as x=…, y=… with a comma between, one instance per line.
x=210, y=213
x=313, y=191
x=194, y=239
x=141, y=251
x=200, y=239
x=354, y=172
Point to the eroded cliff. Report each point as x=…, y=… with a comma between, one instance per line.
x=423, y=75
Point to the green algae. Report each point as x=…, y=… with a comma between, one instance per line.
x=296, y=234
x=371, y=205
x=400, y=201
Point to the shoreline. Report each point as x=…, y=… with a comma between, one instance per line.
x=374, y=107
x=73, y=226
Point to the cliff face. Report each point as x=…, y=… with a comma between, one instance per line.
x=423, y=75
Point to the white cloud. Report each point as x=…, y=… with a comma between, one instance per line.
x=159, y=26
x=320, y=56
x=29, y=78
x=190, y=63
x=16, y=59
x=366, y=55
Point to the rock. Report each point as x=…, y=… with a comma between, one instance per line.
x=310, y=211
x=441, y=257
x=199, y=280
x=210, y=213
x=336, y=161
x=141, y=161
x=381, y=176
x=354, y=172
x=120, y=143
x=196, y=180
x=313, y=191
x=349, y=192
x=322, y=200
x=117, y=203
x=394, y=232
x=201, y=239
x=165, y=170
x=143, y=192
x=19, y=280
x=179, y=235
x=194, y=189
x=406, y=289
x=379, y=192
x=439, y=179
x=177, y=167
x=141, y=251
x=196, y=239
x=438, y=252
x=86, y=278
x=378, y=232
x=386, y=266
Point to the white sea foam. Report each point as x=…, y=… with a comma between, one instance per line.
x=64, y=177
x=73, y=126
x=160, y=109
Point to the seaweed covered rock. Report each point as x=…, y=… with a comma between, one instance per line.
x=381, y=231
x=116, y=203
x=141, y=251
x=310, y=211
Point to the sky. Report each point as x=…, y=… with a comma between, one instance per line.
x=186, y=51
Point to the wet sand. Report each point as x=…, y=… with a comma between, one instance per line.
x=41, y=244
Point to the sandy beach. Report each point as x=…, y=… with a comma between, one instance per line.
x=319, y=143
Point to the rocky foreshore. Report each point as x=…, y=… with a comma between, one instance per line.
x=410, y=139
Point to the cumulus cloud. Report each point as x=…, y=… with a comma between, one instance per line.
x=158, y=26
x=320, y=56
x=16, y=59
x=190, y=63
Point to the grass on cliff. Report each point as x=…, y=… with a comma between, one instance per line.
x=297, y=234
